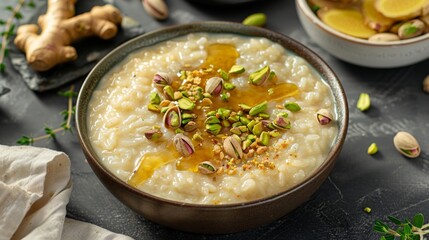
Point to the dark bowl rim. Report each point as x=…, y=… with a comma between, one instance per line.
x=303, y=6
x=223, y=27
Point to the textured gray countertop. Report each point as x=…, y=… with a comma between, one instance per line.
x=387, y=182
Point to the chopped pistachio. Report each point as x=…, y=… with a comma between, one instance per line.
x=197, y=137
x=233, y=119
x=364, y=102
x=235, y=130
x=258, y=108
x=244, y=120
x=265, y=138
x=264, y=115
x=274, y=133
x=260, y=76
x=367, y=210
x=251, y=124
x=256, y=19
x=154, y=98
x=224, y=75
x=257, y=129
x=164, y=109
x=291, y=106
x=224, y=113
x=245, y=144
x=186, y=104
x=243, y=129
x=237, y=69
x=225, y=96
x=213, y=128
x=225, y=123
x=168, y=92
x=212, y=120
x=153, y=107
x=228, y=86
x=190, y=126
x=372, y=149
x=244, y=107
x=177, y=95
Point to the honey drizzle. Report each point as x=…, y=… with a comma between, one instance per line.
x=219, y=56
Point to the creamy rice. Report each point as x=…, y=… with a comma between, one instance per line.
x=119, y=117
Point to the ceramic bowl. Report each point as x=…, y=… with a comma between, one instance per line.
x=201, y=218
x=360, y=51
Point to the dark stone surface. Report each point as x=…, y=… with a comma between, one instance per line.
x=387, y=182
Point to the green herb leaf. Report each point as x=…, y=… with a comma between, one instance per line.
x=49, y=132
x=18, y=15
x=9, y=8
x=68, y=94
x=394, y=220
x=418, y=220
x=25, y=140
x=31, y=4
x=2, y=67
x=2, y=22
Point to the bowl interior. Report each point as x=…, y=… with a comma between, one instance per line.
x=307, y=11
x=149, y=39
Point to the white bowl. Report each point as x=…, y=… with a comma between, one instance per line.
x=360, y=51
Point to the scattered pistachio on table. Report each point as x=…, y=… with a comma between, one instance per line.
x=426, y=84
x=364, y=102
x=406, y=144
x=256, y=19
x=156, y=8
x=372, y=149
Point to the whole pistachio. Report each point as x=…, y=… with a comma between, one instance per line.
x=324, y=116
x=232, y=147
x=156, y=8
x=411, y=29
x=153, y=134
x=265, y=138
x=168, y=92
x=190, y=126
x=256, y=19
x=384, y=37
x=291, y=106
x=214, y=86
x=161, y=79
x=406, y=144
x=237, y=69
x=260, y=76
x=183, y=145
x=280, y=122
x=206, y=167
x=172, y=117
x=426, y=84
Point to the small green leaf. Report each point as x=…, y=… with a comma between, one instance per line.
x=49, y=132
x=2, y=67
x=9, y=8
x=394, y=220
x=407, y=229
x=31, y=4
x=2, y=22
x=25, y=140
x=388, y=237
x=68, y=94
x=18, y=15
x=418, y=220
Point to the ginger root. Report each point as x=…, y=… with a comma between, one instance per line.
x=60, y=28
x=401, y=9
x=348, y=21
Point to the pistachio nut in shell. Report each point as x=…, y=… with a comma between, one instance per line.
x=406, y=144
x=183, y=145
x=232, y=147
x=411, y=29
x=214, y=86
x=426, y=84
x=324, y=116
x=161, y=79
x=206, y=167
x=172, y=117
x=156, y=8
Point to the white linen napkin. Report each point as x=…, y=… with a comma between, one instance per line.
x=35, y=187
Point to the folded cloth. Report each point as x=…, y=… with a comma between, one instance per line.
x=35, y=187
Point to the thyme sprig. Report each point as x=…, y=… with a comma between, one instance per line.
x=405, y=230
x=9, y=27
x=65, y=125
